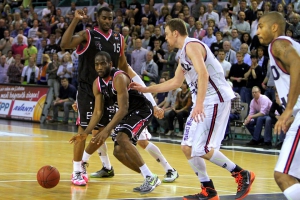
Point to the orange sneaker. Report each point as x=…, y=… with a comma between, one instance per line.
x=244, y=179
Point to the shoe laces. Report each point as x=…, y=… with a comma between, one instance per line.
x=169, y=174
x=146, y=183
x=78, y=176
x=204, y=192
x=239, y=180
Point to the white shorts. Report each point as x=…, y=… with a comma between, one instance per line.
x=289, y=158
x=145, y=135
x=208, y=134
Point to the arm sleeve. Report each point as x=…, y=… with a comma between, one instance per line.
x=149, y=96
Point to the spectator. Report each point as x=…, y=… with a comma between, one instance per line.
x=9, y=58
x=176, y=9
x=259, y=117
x=149, y=70
x=199, y=32
x=295, y=26
x=144, y=25
x=3, y=70
x=181, y=109
x=136, y=7
x=241, y=25
x=101, y=3
x=223, y=22
x=65, y=69
x=34, y=32
x=244, y=49
x=216, y=7
x=162, y=17
x=42, y=78
x=195, y=8
x=47, y=11
x=52, y=47
x=146, y=39
x=6, y=42
x=157, y=53
x=25, y=29
x=251, y=14
x=202, y=11
x=230, y=55
x=186, y=13
x=169, y=62
x=262, y=60
x=255, y=23
x=237, y=73
x=65, y=99
x=29, y=51
x=19, y=47
x=209, y=38
x=227, y=29
x=52, y=80
x=235, y=41
x=192, y=27
x=30, y=73
x=138, y=57
x=225, y=64
x=268, y=85
x=210, y=15
x=14, y=71
x=44, y=37
x=246, y=38
x=15, y=41
x=131, y=46
x=235, y=111
x=150, y=15
x=254, y=77
x=158, y=36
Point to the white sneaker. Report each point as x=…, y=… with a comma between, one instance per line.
x=170, y=176
x=77, y=179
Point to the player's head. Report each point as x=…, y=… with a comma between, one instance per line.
x=103, y=64
x=175, y=28
x=105, y=19
x=270, y=26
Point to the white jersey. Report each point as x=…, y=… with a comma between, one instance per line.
x=218, y=89
x=281, y=76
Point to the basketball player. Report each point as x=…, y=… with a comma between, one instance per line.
x=211, y=95
x=133, y=115
x=88, y=43
x=284, y=62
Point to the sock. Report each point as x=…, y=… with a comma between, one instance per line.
x=86, y=156
x=199, y=167
x=221, y=160
x=292, y=193
x=145, y=171
x=154, y=151
x=149, y=96
x=76, y=166
x=209, y=184
x=102, y=152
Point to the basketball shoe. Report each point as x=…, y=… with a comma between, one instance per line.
x=244, y=179
x=103, y=173
x=150, y=183
x=85, y=176
x=207, y=193
x=170, y=176
x=77, y=179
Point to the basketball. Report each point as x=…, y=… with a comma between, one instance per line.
x=48, y=176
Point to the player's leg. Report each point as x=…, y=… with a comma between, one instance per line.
x=154, y=151
x=287, y=171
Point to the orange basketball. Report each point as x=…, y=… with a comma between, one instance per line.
x=48, y=176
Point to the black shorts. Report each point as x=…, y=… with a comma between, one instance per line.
x=85, y=103
x=135, y=122
x=109, y=113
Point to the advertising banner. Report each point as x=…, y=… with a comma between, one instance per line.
x=22, y=101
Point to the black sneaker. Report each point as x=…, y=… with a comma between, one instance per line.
x=207, y=193
x=252, y=143
x=244, y=179
x=103, y=173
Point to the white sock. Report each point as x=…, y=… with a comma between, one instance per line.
x=199, y=167
x=221, y=160
x=145, y=171
x=155, y=152
x=293, y=192
x=149, y=96
x=102, y=152
x=76, y=166
x=86, y=156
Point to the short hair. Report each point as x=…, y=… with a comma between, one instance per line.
x=64, y=78
x=221, y=50
x=125, y=28
x=219, y=32
x=177, y=25
x=105, y=54
x=275, y=18
x=106, y=9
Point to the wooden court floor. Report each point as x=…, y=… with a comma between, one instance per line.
x=25, y=147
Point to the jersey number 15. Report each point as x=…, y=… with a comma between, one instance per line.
x=117, y=47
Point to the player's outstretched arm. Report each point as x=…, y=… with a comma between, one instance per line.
x=287, y=56
x=97, y=114
x=70, y=41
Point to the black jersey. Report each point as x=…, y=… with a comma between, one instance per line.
x=97, y=41
x=106, y=87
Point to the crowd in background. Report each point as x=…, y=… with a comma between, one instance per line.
x=30, y=45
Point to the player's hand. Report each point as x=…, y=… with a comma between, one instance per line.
x=78, y=138
x=79, y=14
x=198, y=113
x=138, y=87
x=158, y=112
x=100, y=137
x=282, y=123
x=74, y=106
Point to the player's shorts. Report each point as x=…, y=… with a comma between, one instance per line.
x=203, y=136
x=289, y=158
x=109, y=112
x=145, y=135
x=135, y=122
x=85, y=104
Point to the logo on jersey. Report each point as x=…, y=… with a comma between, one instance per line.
x=98, y=45
x=186, y=67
